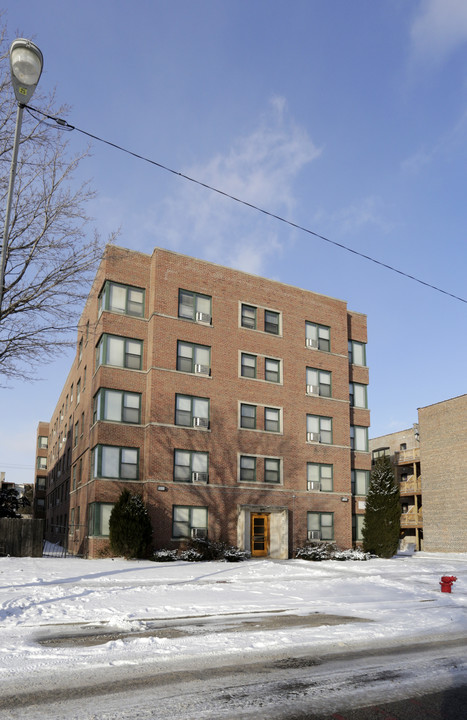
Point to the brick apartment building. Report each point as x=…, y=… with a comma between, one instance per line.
x=42, y=441
x=221, y=397
x=403, y=449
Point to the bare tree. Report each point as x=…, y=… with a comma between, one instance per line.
x=51, y=252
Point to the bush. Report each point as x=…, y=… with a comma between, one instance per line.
x=130, y=528
x=328, y=551
x=165, y=555
x=200, y=549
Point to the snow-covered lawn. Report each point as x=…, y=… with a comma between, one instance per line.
x=398, y=599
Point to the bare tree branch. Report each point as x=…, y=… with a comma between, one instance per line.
x=52, y=252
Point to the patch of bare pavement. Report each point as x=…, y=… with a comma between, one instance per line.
x=182, y=627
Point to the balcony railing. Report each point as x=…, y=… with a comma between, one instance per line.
x=411, y=486
x=406, y=456
x=412, y=518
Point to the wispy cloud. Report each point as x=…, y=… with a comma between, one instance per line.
x=439, y=28
x=260, y=168
x=449, y=144
x=369, y=211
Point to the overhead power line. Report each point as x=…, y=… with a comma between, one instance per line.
x=64, y=125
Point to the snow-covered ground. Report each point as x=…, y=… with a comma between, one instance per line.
x=399, y=601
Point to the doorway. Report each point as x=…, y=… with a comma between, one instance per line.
x=259, y=534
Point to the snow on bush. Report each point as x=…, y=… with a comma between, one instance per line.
x=328, y=551
x=202, y=549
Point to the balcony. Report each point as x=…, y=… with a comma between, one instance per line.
x=411, y=486
x=407, y=456
x=412, y=518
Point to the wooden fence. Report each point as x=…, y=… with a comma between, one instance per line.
x=21, y=538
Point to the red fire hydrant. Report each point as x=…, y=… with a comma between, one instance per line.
x=446, y=583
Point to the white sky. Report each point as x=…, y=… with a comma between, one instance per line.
x=347, y=118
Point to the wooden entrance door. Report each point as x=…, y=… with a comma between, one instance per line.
x=259, y=535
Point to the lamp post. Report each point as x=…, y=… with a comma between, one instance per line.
x=26, y=63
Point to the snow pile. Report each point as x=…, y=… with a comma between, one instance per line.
x=396, y=601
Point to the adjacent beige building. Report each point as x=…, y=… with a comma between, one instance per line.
x=443, y=456
x=430, y=463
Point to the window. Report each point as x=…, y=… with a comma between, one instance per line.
x=71, y=393
x=318, y=336
x=80, y=350
x=193, y=358
x=272, y=419
x=42, y=463
x=40, y=483
x=42, y=442
x=193, y=306
x=248, y=366
x=403, y=446
x=357, y=528
x=319, y=477
x=319, y=429
x=82, y=424
x=272, y=470
x=360, y=482
x=120, y=352
x=73, y=477
x=191, y=411
x=318, y=382
x=271, y=322
x=272, y=370
x=85, y=372
x=248, y=317
x=380, y=452
x=115, y=462
x=248, y=416
x=357, y=352
x=78, y=391
x=359, y=438
x=191, y=466
x=189, y=521
x=99, y=516
x=247, y=468
x=123, y=299
x=358, y=397
x=76, y=433
x=320, y=526
x=117, y=406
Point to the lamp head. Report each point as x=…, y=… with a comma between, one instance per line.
x=26, y=63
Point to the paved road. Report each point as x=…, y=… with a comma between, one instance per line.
x=365, y=685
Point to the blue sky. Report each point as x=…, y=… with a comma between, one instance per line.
x=349, y=118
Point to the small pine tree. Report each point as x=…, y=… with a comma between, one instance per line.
x=381, y=526
x=130, y=529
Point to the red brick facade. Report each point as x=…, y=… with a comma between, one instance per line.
x=276, y=397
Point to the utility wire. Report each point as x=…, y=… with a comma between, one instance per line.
x=63, y=124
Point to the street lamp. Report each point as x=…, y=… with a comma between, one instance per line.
x=26, y=63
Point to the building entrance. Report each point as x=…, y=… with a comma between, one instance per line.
x=259, y=535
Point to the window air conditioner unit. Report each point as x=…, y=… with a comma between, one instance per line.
x=200, y=422
x=312, y=343
x=314, y=485
x=314, y=535
x=312, y=437
x=312, y=389
x=199, y=533
x=201, y=369
x=199, y=477
x=203, y=318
